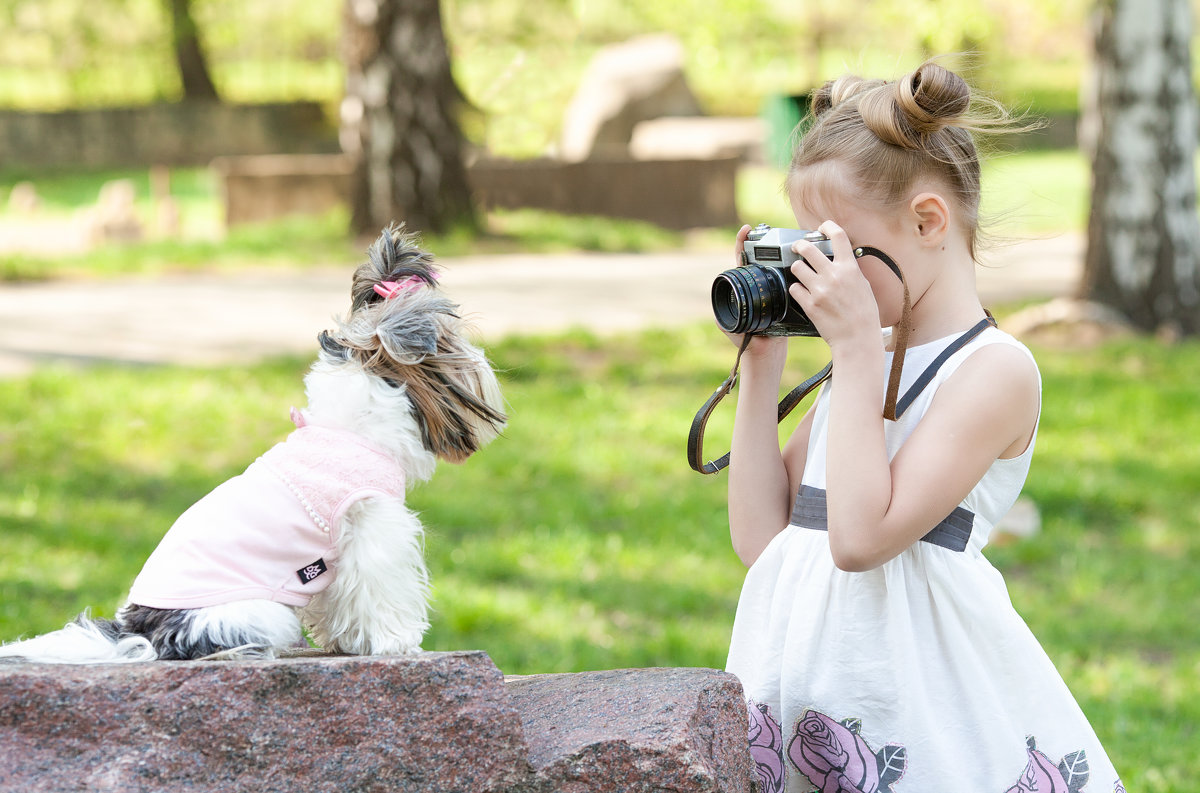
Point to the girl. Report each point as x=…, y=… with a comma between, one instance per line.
x=878, y=648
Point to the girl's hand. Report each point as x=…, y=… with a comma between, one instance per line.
x=766, y=348
x=835, y=294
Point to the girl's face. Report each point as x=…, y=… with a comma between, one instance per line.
x=819, y=194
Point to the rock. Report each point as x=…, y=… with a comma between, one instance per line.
x=114, y=218
x=430, y=722
x=699, y=138
x=1021, y=522
x=631, y=730
x=23, y=198
x=1068, y=322
x=625, y=84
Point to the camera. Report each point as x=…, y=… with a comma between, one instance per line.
x=753, y=298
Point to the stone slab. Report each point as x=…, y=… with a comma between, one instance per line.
x=430, y=722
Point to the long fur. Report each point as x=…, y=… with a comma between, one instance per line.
x=401, y=373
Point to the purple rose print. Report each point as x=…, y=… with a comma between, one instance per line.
x=836, y=759
x=766, y=747
x=1043, y=776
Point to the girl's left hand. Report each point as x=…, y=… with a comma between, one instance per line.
x=835, y=294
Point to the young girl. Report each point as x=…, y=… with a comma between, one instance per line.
x=877, y=646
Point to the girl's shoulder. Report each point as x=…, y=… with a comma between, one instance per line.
x=995, y=356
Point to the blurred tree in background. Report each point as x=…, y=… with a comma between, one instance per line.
x=1143, y=254
x=189, y=53
x=400, y=119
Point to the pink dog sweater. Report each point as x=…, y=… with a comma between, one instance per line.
x=270, y=533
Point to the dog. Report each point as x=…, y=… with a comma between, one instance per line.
x=316, y=534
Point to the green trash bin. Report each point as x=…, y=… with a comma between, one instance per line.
x=783, y=114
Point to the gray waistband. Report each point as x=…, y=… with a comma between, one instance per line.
x=811, y=511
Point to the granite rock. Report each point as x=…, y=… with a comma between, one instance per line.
x=633, y=730
x=429, y=722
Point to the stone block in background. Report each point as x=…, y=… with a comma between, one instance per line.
x=624, y=84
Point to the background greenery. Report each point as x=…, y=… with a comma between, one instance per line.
x=519, y=61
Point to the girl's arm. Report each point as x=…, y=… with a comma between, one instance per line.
x=761, y=489
x=762, y=480
x=985, y=410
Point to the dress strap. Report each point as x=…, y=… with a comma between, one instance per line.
x=927, y=376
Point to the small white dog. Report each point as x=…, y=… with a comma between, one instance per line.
x=316, y=533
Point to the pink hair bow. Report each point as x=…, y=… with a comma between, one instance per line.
x=391, y=289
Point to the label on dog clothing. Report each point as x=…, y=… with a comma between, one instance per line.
x=311, y=571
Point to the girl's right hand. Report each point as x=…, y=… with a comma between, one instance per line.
x=771, y=349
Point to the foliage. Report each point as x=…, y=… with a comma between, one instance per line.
x=588, y=544
x=519, y=62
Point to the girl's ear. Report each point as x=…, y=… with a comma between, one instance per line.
x=931, y=216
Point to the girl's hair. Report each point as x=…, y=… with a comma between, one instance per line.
x=890, y=134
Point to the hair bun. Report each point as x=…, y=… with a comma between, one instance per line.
x=932, y=97
x=844, y=88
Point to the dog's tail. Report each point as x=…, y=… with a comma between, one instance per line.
x=83, y=641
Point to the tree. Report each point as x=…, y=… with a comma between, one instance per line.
x=400, y=118
x=1143, y=249
x=189, y=55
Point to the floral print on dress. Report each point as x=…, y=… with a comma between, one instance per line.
x=1044, y=776
x=836, y=758
x=766, y=748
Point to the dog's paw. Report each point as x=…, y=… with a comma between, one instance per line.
x=404, y=644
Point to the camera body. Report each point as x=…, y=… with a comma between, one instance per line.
x=753, y=298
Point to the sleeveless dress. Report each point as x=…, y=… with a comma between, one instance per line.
x=915, y=676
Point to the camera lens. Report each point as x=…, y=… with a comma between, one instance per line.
x=748, y=299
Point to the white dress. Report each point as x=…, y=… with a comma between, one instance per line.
x=915, y=676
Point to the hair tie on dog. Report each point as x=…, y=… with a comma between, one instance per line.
x=391, y=289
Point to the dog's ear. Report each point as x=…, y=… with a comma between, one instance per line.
x=332, y=347
x=408, y=331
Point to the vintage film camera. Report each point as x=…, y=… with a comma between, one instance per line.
x=753, y=298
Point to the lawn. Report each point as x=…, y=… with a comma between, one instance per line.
x=581, y=540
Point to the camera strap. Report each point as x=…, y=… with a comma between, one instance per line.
x=900, y=333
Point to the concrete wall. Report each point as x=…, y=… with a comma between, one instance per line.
x=165, y=134
x=676, y=194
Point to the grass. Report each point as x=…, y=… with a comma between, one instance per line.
x=581, y=540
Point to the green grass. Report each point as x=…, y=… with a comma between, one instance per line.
x=581, y=540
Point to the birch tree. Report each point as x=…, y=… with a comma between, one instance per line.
x=1143, y=247
x=400, y=118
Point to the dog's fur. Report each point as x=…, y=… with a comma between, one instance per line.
x=398, y=372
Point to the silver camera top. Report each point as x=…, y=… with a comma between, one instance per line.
x=772, y=247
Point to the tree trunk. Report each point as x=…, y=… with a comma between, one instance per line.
x=189, y=56
x=400, y=118
x=1143, y=252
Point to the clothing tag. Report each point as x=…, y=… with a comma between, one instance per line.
x=309, y=572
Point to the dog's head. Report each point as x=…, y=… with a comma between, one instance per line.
x=403, y=330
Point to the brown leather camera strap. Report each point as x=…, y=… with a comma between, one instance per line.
x=900, y=333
